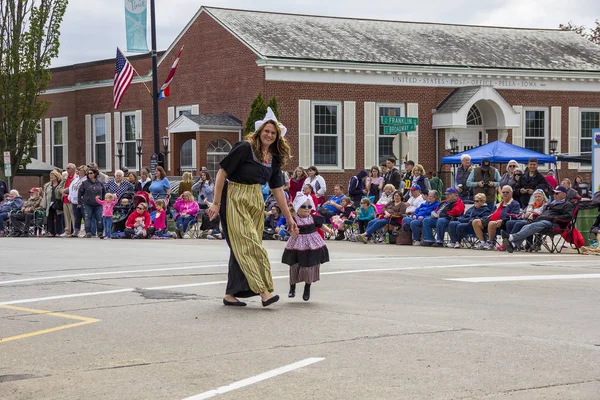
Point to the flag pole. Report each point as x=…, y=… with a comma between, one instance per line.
x=156, y=135
x=135, y=70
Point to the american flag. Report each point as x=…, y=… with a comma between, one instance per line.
x=165, y=90
x=123, y=78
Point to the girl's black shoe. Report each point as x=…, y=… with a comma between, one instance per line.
x=292, y=292
x=306, y=294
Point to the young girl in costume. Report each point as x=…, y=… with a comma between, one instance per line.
x=305, y=251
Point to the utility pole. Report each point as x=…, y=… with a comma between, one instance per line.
x=156, y=136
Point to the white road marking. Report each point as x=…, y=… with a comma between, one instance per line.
x=526, y=278
x=210, y=283
x=255, y=379
x=167, y=269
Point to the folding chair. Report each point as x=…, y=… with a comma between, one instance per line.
x=548, y=237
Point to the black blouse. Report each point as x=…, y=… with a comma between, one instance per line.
x=242, y=166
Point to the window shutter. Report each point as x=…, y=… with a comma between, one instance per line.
x=88, y=139
x=48, y=131
x=574, y=134
x=171, y=118
x=412, y=111
x=304, y=133
x=556, y=127
x=109, y=142
x=138, y=131
x=65, y=146
x=370, y=137
x=517, y=133
x=349, y=135
x=196, y=109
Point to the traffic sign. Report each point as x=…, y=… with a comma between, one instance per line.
x=393, y=129
x=399, y=121
x=7, y=170
x=7, y=157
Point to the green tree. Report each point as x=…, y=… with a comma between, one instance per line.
x=29, y=40
x=591, y=34
x=258, y=109
x=273, y=104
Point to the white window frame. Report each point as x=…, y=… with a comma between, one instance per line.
x=37, y=149
x=64, y=155
x=340, y=144
x=194, y=148
x=546, y=111
x=180, y=109
x=210, y=154
x=402, y=106
x=124, y=135
x=94, y=155
x=582, y=167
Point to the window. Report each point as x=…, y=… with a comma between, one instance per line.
x=99, y=137
x=58, y=140
x=183, y=110
x=327, y=134
x=590, y=119
x=217, y=150
x=474, y=116
x=536, y=130
x=129, y=136
x=385, y=143
x=187, y=156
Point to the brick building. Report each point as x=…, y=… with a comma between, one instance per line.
x=333, y=79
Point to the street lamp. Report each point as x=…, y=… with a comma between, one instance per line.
x=553, y=146
x=138, y=143
x=165, y=143
x=453, y=146
x=120, y=153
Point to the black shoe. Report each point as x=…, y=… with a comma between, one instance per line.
x=233, y=303
x=181, y=232
x=272, y=300
x=504, y=234
x=292, y=292
x=340, y=236
x=427, y=243
x=306, y=294
x=437, y=244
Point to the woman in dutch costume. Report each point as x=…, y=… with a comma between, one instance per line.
x=305, y=251
x=239, y=201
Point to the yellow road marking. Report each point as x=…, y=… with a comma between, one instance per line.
x=84, y=321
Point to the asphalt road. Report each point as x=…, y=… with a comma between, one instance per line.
x=84, y=318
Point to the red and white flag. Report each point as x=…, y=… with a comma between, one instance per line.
x=123, y=77
x=165, y=90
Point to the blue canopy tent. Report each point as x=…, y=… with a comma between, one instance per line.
x=500, y=152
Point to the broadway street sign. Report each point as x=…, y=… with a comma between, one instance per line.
x=393, y=129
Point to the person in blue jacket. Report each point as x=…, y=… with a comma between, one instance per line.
x=414, y=223
x=464, y=224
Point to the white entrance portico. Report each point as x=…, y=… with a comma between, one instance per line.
x=470, y=113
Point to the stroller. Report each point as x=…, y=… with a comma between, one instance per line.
x=122, y=210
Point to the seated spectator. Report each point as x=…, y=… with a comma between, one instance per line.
x=364, y=214
x=452, y=207
x=357, y=188
x=13, y=203
x=507, y=208
x=415, y=199
x=555, y=213
x=347, y=215
x=21, y=221
x=272, y=202
x=532, y=211
x=392, y=214
x=138, y=223
x=463, y=225
x=571, y=193
x=187, y=210
x=211, y=228
x=272, y=217
x=414, y=223
x=119, y=186
x=333, y=206
x=281, y=232
x=551, y=179
x=385, y=198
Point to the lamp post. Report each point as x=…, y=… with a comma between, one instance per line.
x=553, y=146
x=165, y=143
x=120, y=153
x=138, y=143
x=453, y=146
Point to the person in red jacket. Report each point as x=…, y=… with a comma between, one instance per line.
x=138, y=223
x=440, y=218
x=297, y=182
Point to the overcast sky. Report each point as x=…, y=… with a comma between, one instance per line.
x=92, y=29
